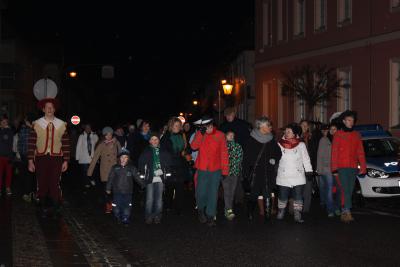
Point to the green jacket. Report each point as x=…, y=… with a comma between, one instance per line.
x=235, y=152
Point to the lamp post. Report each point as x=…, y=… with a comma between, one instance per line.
x=227, y=88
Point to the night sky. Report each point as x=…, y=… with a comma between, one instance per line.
x=162, y=52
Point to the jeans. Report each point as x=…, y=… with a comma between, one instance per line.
x=122, y=205
x=5, y=167
x=297, y=194
x=154, y=204
x=326, y=182
x=346, y=182
x=307, y=195
x=229, y=185
x=206, y=191
x=86, y=179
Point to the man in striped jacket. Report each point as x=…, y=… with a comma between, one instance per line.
x=48, y=153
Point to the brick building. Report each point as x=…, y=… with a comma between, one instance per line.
x=360, y=38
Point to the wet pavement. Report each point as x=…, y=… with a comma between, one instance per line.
x=85, y=236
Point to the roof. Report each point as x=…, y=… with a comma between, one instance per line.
x=368, y=131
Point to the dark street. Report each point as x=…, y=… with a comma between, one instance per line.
x=86, y=236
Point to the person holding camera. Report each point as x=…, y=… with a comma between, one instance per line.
x=261, y=156
x=212, y=163
x=294, y=167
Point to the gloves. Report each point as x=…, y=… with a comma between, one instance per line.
x=272, y=161
x=203, y=130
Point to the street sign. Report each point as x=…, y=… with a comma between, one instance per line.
x=45, y=88
x=75, y=120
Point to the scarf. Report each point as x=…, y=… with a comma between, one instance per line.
x=347, y=130
x=289, y=143
x=178, y=144
x=89, y=144
x=156, y=159
x=261, y=138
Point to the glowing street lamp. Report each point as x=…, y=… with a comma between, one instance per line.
x=227, y=88
x=72, y=74
x=195, y=102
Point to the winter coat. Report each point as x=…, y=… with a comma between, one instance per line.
x=6, y=142
x=120, y=179
x=213, y=152
x=348, y=151
x=293, y=165
x=81, y=153
x=265, y=172
x=324, y=156
x=146, y=165
x=241, y=129
x=107, y=153
x=139, y=144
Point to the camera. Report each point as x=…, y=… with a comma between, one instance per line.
x=203, y=129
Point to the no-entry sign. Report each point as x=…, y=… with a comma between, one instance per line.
x=75, y=120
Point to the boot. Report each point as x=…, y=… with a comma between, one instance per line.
x=211, y=222
x=274, y=206
x=260, y=202
x=268, y=209
x=297, y=216
x=202, y=217
x=281, y=209
x=251, y=206
x=297, y=208
x=281, y=214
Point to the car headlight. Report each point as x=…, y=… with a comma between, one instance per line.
x=373, y=173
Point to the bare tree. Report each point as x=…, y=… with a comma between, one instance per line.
x=313, y=85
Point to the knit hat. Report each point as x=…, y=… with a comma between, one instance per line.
x=154, y=134
x=124, y=152
x=107, y=130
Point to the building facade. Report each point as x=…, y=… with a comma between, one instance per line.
x=241, y=74
x=359, y=38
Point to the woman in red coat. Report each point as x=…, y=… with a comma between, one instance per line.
x=212, y=163
x=347, y=155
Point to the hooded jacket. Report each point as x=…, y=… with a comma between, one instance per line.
x=213, y=152
x=120, y=179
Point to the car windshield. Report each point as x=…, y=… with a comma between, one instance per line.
x=381, y=147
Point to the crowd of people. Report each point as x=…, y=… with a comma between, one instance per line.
x=272, y=171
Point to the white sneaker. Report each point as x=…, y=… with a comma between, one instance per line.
x=93, y=183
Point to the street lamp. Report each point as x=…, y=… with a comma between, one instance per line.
x=72, y=74
x=195, y=102
x=227, y=89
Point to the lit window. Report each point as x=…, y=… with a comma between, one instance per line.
x=320, y=7
x=344, y=93
x=394, y=92
x=344, y=12
x=299, y=18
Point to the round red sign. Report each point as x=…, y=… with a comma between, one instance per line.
x=75, y=120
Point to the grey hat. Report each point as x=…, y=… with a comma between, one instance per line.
x=107, y=130
x=124, y=152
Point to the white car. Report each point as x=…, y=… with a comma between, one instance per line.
x=382, y=156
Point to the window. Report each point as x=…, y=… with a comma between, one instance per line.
x=267, y=88
x=300, y=109
x=299, y=10
x=280, y=20
x=394, y=5
x=394, y=92
x=344, y=12
x=267, y=23
x=344, y=93
x=320, y=11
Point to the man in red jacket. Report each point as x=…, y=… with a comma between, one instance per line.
x=347, y=155
x=212, y=163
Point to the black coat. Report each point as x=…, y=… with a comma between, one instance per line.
x=265, y=172
x=138, y=145
x=146, y=164
x=178, y=164
x=121, y=179
x=241, y=129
